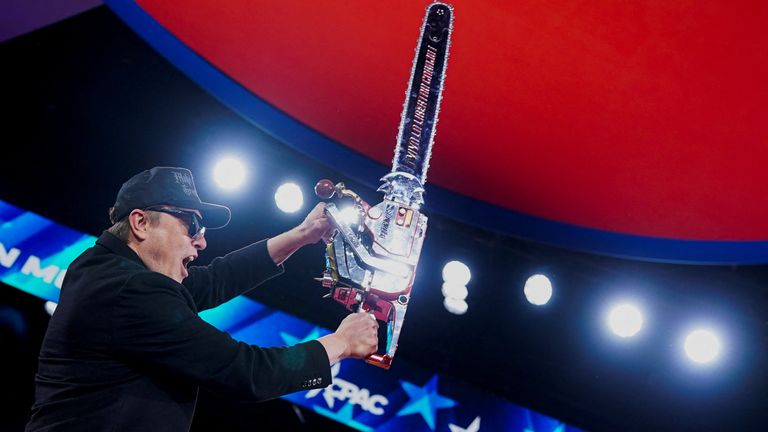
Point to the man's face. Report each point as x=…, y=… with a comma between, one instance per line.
x=169, y=248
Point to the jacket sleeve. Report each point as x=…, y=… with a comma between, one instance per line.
x=154, y=327
x=231, y=275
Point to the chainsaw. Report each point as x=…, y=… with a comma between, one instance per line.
x=372, y=257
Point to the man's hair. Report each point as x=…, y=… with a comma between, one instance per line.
x=122, y=228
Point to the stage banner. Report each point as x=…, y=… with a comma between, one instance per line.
x=35, y=253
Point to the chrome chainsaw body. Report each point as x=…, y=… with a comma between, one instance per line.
x=372, y=259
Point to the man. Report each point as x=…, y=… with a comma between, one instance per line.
x=126, y=350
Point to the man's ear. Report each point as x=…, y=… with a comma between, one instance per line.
x=139, y=221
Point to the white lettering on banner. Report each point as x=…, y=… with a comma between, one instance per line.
x=60, y=278
x=8, y=257
x=344, y=390
x=32, y=267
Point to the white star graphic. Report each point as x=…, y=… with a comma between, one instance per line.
x=473, y=427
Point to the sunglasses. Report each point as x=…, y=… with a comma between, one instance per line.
x=194, y=228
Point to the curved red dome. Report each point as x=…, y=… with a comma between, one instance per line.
x=642, y=119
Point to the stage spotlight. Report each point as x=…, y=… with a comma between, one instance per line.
x=50, y=307
x=229, y=173
x=538, y=289
x=625, y=320
x=289, y=198
x=456, y=291
x=455, y=306
x=702, y=346
x=456, y=272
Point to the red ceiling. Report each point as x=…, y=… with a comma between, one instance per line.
x=642, y=117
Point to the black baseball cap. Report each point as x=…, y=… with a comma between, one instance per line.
x=166, y=186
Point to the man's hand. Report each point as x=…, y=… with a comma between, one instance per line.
x=316, y=226
x=356, y=337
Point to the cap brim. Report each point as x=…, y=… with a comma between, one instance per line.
x=214, y=216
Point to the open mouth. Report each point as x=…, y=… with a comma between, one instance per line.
x=188, y=260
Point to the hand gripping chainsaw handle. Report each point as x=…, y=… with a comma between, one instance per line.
x=372, y=257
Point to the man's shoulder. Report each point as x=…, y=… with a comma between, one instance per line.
x=148, y=284
x=151, y=280
x=99, y=257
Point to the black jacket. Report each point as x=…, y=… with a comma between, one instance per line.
x=126, y=351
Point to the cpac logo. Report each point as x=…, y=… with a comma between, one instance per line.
x=343, y=390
